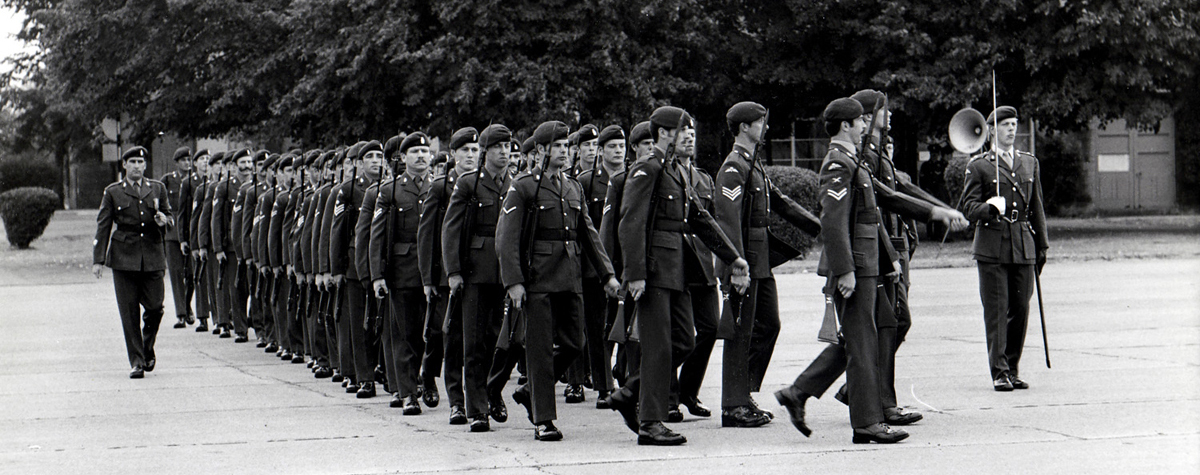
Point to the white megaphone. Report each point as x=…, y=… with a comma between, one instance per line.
x=968, y=131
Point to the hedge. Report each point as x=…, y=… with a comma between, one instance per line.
x=21, y=171
x=802, y=185
x=26, y=212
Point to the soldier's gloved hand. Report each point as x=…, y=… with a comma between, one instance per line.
x=845, y=284
x=380, y=286
x=430, y=293
x=160, y=219
x=516, y=294
x=612, y=287
x=895, y=273
x=952, y=218
x=1040, y=261
x=998, y=204
x=183, y=247
x=455, y=282
x=202, y=253
x=278, y=271
x=98, y=270
x=739, y=267
x=221, y=257
x=740, y=283
x=338, y=279
x=636, y=288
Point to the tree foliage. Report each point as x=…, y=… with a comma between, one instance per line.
x=329, y=72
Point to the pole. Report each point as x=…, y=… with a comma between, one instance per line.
x=1037, y=280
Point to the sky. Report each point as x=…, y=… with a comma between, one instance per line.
x=10, y=25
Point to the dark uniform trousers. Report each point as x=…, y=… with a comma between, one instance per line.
x=755, y=340
x=860, y=337
x=137, y=290
x=666, y=334
x=597, y=360
x=403, y=339
x=361, y=360
x=283, y=294
x=181, y=283
x=447, y=322
x=706, y=312
x=204, y=286
x=553, y=340
x=483, y=314
x=1005, y=289
x=258, y=313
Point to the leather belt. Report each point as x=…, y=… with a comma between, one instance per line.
x=485, y=231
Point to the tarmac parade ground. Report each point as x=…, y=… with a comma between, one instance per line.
x=1123, y=395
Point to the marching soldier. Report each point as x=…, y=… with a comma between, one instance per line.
x=597, y=358
x=232, y=305
x=656, y=211
x=324, y=340
x=1010, y=243
x=314, y=341
x=583, y=147
x=343, y=254
x=747, y=199
x=469, y=257
x=342, y=354
x=394, y=270
x=543, y=235
x=179, y=189
x=140, y=208
x=218, y=167
x=200, y=181
x=281, y=219
x=255, y=219
x=464, y=145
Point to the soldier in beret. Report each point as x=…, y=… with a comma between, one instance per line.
x=444, y=321
x=394, y=272
x=657, y=210
x=559, y=237
x=469, y=257
x=281, y=220
x=255, y=219
x=200, y=180
x=179, y=188
x=594, y=180
x=324, y=339
x=141, y=210
x=226, y=239
x=203, y=227
x=1010, y=242
x=747, y=199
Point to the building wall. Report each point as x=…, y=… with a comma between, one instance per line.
x=1132, y=170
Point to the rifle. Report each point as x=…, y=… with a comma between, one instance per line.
x=382, y=304
x=731, y=319
x=619, y=333
x=531, y=223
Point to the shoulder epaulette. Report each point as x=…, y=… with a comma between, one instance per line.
x=151, y=180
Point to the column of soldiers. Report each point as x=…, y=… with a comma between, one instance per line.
x=383, y=263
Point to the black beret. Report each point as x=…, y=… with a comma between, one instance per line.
x=612, y=132
x=461, y=137
x=514, y=147
x=261, y=155
x=744, y=113
x=671, y=117
x=245, y=152
x=528, y=145
x=640, y=132
x=419, y=139
x=372, y=146
x=217, y=158
x=286, y=161
x=550, y=131
x=494, y=134
x=182, y=153
x=326, y=160
x=842, y=109
x=352, y=152
x=573, y=139
x=869, y=98
x=392, y=146
x=134, y=152
x=200, y=153
x=586, y=133
x=270, y=160
x=440, y=158
x=311, y=157
x=1001, y=113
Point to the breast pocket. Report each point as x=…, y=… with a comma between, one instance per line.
x=486, y=212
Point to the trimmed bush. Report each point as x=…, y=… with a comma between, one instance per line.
x=26, y=212
x=953, y=178
x=801, y=185
x=23, y=171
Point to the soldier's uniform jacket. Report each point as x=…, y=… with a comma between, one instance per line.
x=652, y=240
x=222, y=215
x=260, y=227
x=850, y=219
x=347, y=199
x=398, y=205
x=238, y=229
x=322, y=221
x=736, y=182
x=595, y=190
x=472, y=252
x=304, y=223
x=280, y=219
x=195, y=235
x=902, y=232
x=564, y=231
x=179, y=194
x=1015, y=237
x=291, y=227
x=429, y=232
x=137, y=242
x=204, y=221
x=702, y=182
x=362, y=232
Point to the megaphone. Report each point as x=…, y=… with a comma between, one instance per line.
x=968, y=131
